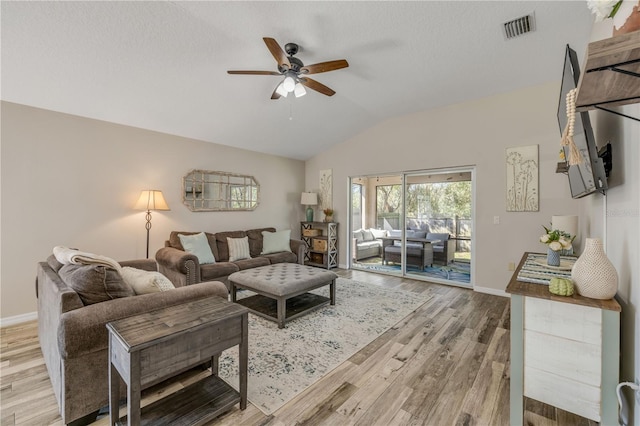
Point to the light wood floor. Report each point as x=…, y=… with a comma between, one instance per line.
x=447, y=363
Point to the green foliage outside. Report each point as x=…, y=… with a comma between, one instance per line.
x=426, y=200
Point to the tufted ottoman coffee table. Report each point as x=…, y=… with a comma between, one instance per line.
x=283, y=290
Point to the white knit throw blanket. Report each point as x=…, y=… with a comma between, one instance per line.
x=66, y=255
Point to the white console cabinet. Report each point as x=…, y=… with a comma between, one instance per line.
x=564, y=352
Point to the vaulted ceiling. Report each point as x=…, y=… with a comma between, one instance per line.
x=162, y=65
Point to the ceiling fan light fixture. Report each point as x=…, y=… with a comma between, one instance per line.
x=280, y=90
x=299, y=90
x=289, y=84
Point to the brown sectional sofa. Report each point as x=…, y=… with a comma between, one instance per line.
x=74, y=337
x=183, y=268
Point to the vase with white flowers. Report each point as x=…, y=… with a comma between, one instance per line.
x=556, y=242
x=625, y=14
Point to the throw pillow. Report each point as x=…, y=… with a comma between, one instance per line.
x=238, y=248
x=145, y=282
x=378, y=233
x=358, y=235
x=276, y=242
x=95, y=283
x=367, y=235
x=198, y=245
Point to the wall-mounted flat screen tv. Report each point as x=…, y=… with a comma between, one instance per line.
x=589, y=176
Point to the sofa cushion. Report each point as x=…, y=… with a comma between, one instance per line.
x=367, y=244
x=251, y=263
x=95, y=283
x=256, y=240
x=378, y=233
x=198, y=245
x=217, y=270
x=395, y=233
x=223, y=247
x=275, y=242
x=238, y=248
x=367, y=235
x=358, y=235
x=438, y=236
x=281, y=257
x=145, y=282
x=174, y=241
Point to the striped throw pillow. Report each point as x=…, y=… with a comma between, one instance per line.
x=238, y=248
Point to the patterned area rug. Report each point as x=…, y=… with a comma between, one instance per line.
x=454, y=271
x=284, y=362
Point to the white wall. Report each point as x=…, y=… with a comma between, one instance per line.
x=472, y=133
x=622, y=232
x=616, y=219
x=73, y=181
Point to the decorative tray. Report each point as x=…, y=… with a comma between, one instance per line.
x=565, y=265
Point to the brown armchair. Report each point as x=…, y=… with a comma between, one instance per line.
x=74, y=338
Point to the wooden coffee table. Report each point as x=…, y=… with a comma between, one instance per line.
x=148, y=348
x=283, y=290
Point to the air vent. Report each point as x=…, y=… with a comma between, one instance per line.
x=519, y=26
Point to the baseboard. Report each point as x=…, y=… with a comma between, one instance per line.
x=17, y=319
x=493, y=291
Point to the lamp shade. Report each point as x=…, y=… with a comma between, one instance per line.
x=568, y=224
x=289, y=84
x=309, y=199
x=151, y=199
x=299, y=90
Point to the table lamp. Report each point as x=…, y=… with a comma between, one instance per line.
x=309, y=199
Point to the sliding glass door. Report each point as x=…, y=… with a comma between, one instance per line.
x=415, y=224
x=438, y=225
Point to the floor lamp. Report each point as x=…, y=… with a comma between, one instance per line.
x=150, y=199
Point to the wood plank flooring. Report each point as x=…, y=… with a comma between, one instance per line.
x=447, y=363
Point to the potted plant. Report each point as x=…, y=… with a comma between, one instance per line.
x=556, y=242
x=328, y=215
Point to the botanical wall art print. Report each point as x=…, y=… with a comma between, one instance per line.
x=326, y=185
x=522, y=179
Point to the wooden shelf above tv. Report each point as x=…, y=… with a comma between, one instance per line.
x=611, y=74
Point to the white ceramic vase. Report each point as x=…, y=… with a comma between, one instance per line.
x=593, y=274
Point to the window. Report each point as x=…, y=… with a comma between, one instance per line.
x=356, y=205
x=388, y=203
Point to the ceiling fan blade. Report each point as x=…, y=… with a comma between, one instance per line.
x=318, y=87
x=325, y=66
x=277, y=52
x=255, y=72
x=275, y=94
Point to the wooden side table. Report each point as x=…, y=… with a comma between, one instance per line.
x=148, y=348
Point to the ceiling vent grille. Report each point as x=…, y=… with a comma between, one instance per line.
x=519, y=26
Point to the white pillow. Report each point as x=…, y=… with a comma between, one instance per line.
x=145, y=282
x=276, y=242
x=378, y=233
x=238, y=248
x=198, y=245
x=367, y=235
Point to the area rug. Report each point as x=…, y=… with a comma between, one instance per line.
x=284, y=362
x=454, y=271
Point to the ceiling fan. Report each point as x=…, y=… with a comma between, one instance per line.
x=294, y=71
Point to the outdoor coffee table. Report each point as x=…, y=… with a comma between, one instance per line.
x=283, y=290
